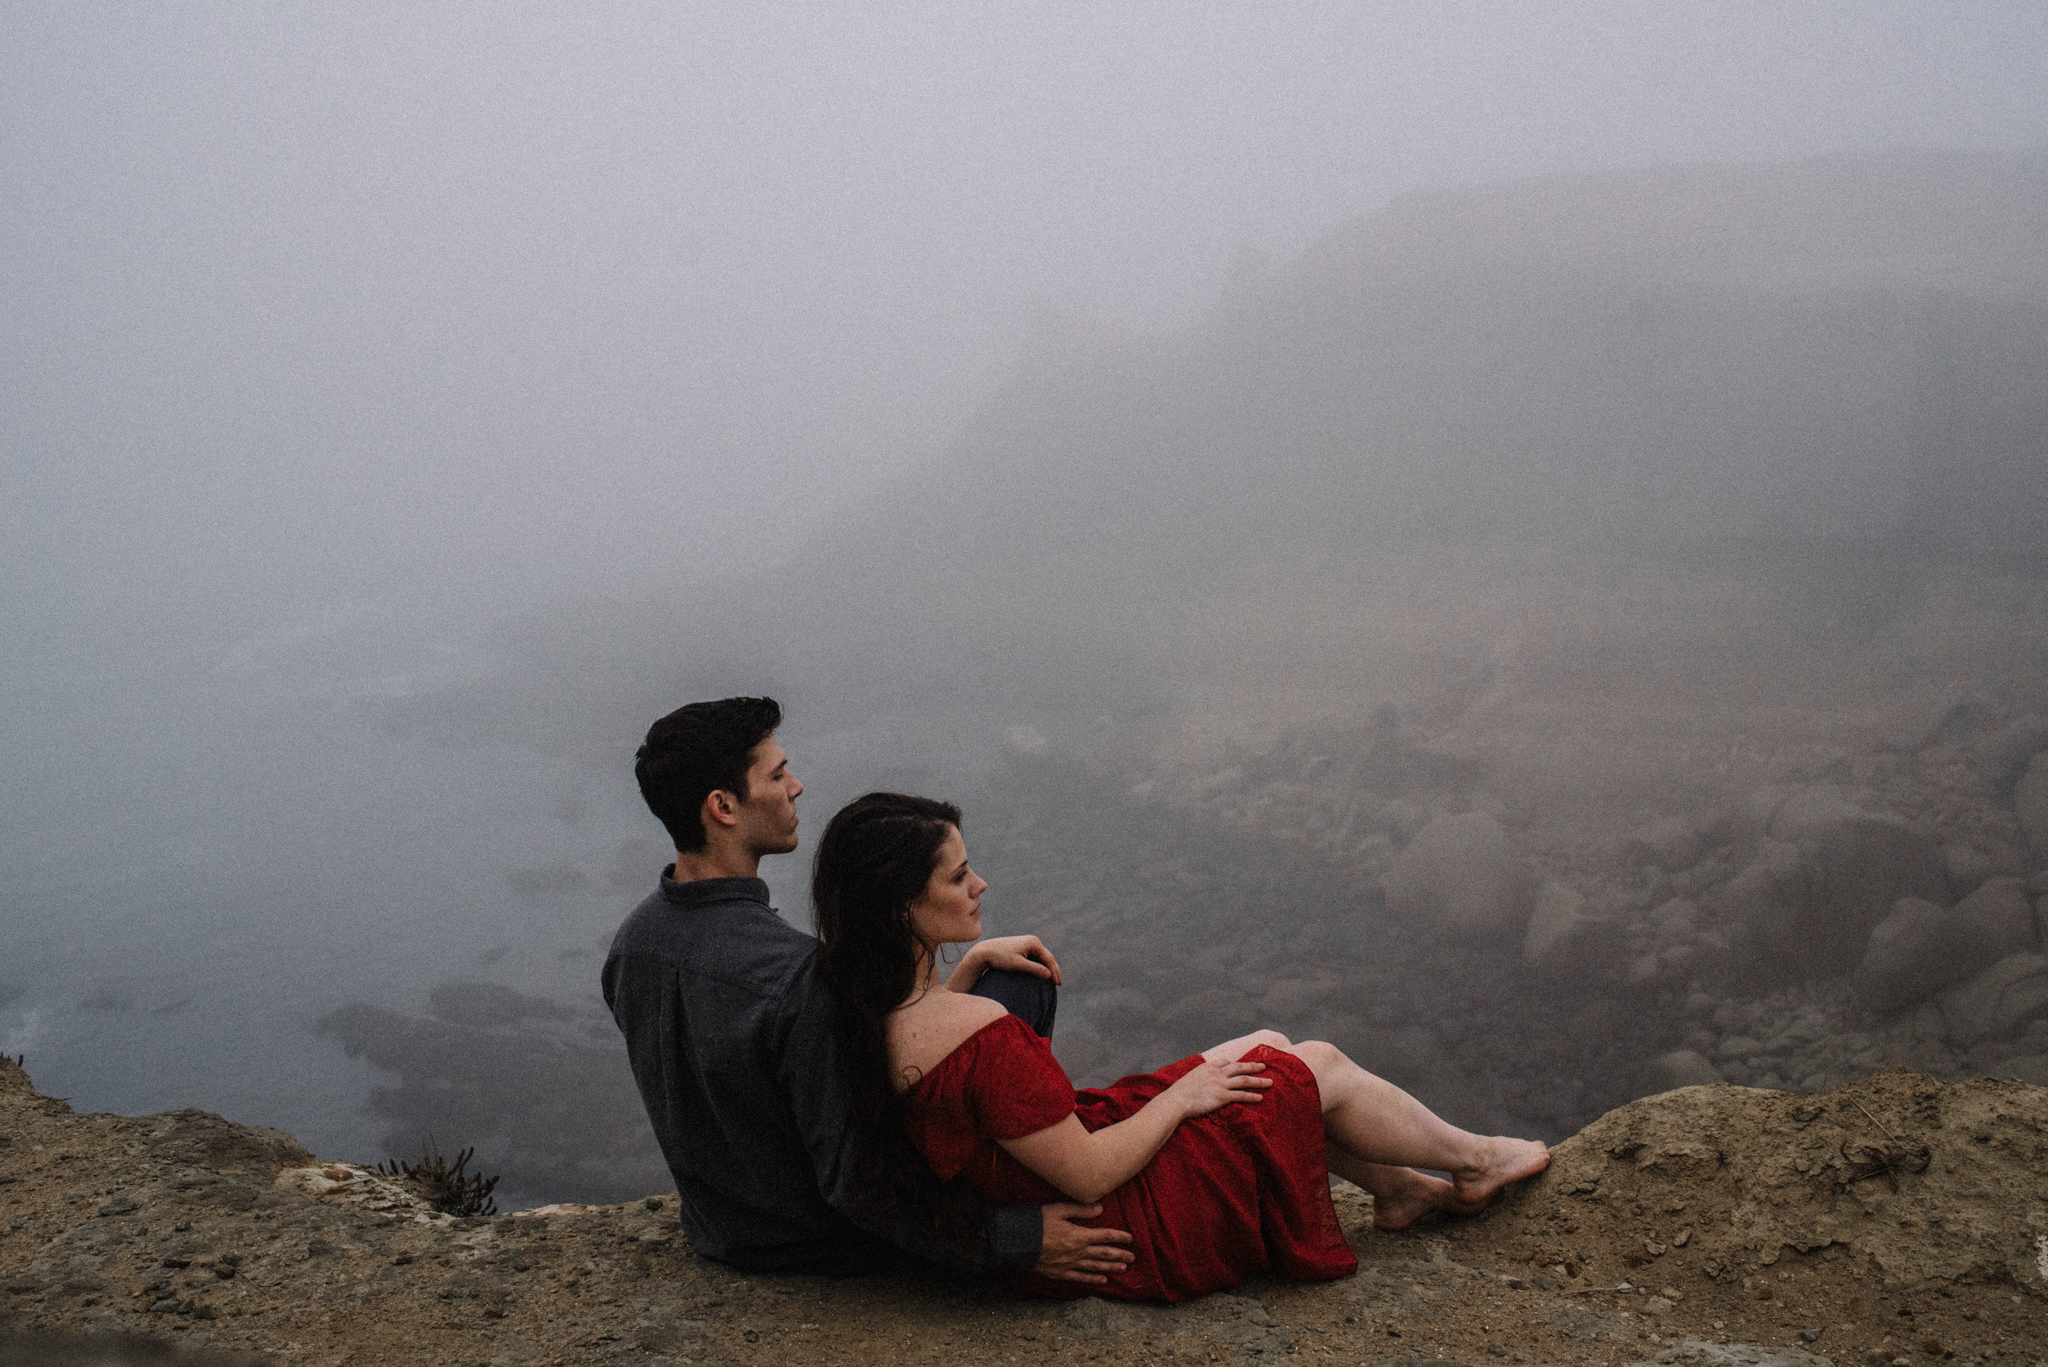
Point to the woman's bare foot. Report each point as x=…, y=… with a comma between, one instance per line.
x=1401, y=1196
x=1502, y=1162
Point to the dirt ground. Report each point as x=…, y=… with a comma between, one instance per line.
x=1714, y=1225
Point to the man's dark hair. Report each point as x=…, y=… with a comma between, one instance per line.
x=698, y=750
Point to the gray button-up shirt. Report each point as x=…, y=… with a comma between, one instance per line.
x=728, y=1026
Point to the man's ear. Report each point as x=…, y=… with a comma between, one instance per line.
x=720, y=809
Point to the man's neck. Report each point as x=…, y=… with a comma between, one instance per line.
x=696, y=865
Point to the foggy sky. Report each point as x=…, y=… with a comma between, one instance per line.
x=315, y=305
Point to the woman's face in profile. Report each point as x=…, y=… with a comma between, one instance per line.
x=949, y=911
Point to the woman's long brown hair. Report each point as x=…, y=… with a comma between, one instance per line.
x=874, y=861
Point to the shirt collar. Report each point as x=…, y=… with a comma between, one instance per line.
x=704, y=892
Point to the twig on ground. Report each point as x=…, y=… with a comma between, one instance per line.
x=1875, y=1121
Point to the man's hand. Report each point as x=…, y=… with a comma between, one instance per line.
x=1018, y=953
x=1075, y=1253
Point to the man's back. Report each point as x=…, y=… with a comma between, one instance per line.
x=724, y=1023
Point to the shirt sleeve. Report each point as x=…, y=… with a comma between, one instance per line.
x=808, y=1068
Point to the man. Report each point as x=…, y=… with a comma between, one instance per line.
x=728, y=1028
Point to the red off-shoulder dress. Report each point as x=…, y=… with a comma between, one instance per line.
x=1240, y=1190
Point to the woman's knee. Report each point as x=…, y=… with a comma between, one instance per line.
x=1321, y=1056
x=1230, y=1051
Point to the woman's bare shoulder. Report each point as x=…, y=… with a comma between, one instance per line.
x=923, y=1033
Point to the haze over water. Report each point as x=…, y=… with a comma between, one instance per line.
x=402, y=410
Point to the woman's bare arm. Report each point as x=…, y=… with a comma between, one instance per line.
x=1088, y=1166
x=1023, y=953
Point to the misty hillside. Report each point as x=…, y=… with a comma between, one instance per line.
x=1835, y=363
x=1849, y=349
x=1823, y=370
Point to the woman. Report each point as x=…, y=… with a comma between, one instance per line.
x=1217, y=1165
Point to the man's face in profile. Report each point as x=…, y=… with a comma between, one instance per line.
x=768, y=813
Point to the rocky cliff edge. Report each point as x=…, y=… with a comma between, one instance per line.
x=1895, y=1220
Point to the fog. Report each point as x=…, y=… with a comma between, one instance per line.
x=1454, y=529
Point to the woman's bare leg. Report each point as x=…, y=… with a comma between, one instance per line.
x=1400, y=1196
x=1384, y=1133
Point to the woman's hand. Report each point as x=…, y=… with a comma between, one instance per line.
x=1020, y=953
x=1212, y=1086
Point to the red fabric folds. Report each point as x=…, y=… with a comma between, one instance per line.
x=1241, y=1190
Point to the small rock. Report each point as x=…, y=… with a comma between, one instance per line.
x=1462, y=874
x=1966, y=865
x=2002, y=756
x=1559, y=912
x=1921, y=948
x=1095, y=1317
x=1670, y=844
x=1852, y=867
x=1674, y=920
x=1704, y=1354
x=2009, y=992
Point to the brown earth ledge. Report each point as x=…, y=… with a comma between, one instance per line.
x=1710, y=1225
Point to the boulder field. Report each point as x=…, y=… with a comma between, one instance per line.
x=1896, y=1220
x=1532, y=906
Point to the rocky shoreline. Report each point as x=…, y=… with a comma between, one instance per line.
x=1724, y=1226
